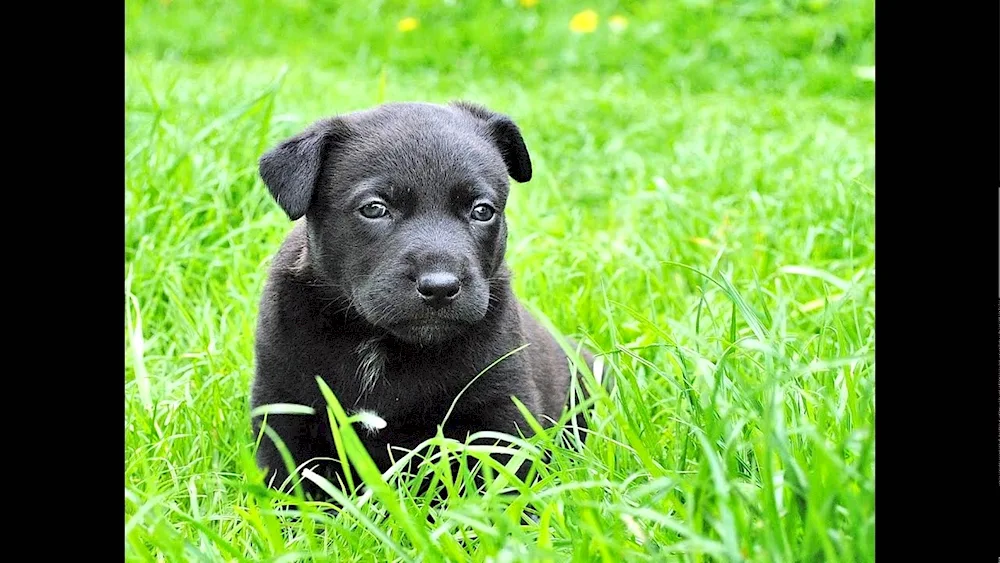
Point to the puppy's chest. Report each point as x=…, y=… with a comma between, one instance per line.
x=416, y=387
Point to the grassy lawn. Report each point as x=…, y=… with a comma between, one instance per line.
x=701, y=214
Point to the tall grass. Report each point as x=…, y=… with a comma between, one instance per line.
x=701, y=215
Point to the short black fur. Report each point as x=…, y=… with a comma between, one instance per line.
x=341, y=300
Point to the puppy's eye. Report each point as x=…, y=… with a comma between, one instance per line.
x=483, y=212
x=373, y=211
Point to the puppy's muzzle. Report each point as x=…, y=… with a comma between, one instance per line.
x=438, y=289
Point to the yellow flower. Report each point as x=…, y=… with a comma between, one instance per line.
x=584, y=22
x=529, y=3
x=408, y=24
x=617, y=23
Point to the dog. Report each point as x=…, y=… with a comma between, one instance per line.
x=392, y=286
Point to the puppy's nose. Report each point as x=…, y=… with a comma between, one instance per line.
x=438, y=288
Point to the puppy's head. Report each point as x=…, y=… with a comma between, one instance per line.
x=404, y=206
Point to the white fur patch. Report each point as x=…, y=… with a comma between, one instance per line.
x=369, y=420
x=599, y=369
x=371, y=364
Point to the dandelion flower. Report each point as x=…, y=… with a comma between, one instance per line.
x=528, y=3
x=617, y=23
x=408, y=24
x=584, y=22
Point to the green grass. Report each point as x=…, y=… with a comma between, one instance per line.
x=702, y=214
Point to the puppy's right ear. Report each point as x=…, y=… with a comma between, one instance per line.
x=292, y=169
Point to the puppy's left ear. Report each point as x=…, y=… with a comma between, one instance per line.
x=507, y=137
x=292, y=169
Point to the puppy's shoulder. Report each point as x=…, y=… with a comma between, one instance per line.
x=290, y=295
x=548, y=355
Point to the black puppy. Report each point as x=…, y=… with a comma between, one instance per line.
x=394, y=289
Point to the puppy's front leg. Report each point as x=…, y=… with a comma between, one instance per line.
x=305, y=439
x=502, y=416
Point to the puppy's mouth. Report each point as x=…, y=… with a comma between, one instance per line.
x=414, y=321
x=427, y=329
